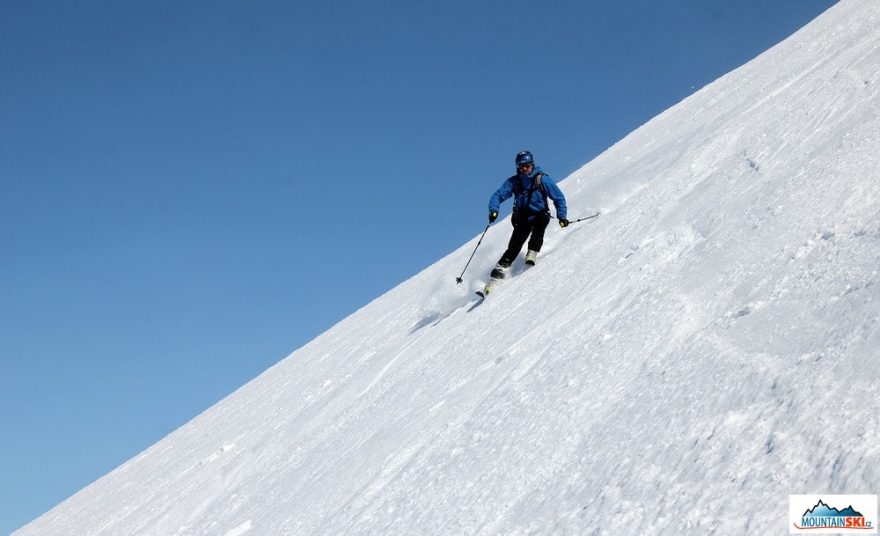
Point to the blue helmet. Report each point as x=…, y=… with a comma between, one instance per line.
x=523, y=158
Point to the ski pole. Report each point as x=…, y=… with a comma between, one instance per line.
x=590, y=217
x=459, y=280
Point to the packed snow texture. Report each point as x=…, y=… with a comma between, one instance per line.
x=708, y=346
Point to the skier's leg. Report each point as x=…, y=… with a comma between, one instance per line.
x=539, y=225
x=520, y=234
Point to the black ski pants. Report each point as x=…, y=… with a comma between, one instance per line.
x=522, y=228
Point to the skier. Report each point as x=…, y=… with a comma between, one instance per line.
x=530, y=188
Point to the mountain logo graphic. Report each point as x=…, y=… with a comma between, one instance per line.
x=823, y=516
x=822, y=509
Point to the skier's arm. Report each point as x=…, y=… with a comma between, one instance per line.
x=501, y=195
x=554, y=193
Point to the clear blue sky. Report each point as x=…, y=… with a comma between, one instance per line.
x=192, y=190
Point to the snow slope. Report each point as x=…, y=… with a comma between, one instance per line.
x=707, y=347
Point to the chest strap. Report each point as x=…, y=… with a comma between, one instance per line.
x=537, y=184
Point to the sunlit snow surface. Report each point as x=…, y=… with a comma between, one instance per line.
x=708, y=346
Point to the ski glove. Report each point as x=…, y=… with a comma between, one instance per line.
x=563, y=222
x=492, y=216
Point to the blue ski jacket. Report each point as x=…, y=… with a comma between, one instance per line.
x=521, y=185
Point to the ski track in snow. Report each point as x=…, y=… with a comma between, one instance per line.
x=710, y=341
x=244, y=528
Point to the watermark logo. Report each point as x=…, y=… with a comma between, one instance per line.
x=832, y=514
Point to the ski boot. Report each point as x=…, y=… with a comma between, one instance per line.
x=531, y=257
x=499, y=272
x=490, y=286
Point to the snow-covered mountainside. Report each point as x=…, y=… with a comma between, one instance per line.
x=681, y=365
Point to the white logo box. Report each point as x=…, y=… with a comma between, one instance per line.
x=798, y=505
